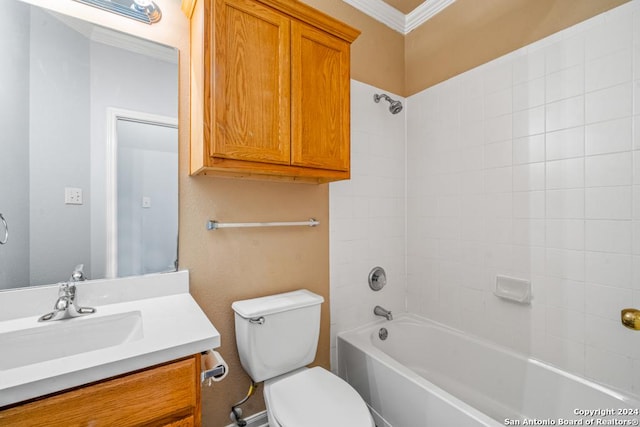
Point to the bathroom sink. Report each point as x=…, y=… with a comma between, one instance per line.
x=63, y=338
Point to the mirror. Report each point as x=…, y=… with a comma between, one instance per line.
x=88, y=150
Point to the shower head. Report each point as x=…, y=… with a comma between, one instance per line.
x=395, y=107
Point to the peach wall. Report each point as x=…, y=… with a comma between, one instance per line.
x=470, y=32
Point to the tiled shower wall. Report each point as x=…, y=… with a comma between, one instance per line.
x=529, y=166
x=368, y=215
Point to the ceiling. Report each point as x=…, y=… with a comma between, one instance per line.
x=404, y=6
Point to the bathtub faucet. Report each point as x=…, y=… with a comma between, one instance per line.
x=379, y=311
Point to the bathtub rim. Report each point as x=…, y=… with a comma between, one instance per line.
x=361, y=341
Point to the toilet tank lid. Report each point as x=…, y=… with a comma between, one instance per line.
x=256, y=307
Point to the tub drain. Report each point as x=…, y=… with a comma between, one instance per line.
x=383, y=333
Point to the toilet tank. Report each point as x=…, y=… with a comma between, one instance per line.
x=277, y=334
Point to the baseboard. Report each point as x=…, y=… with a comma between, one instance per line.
x=255, y=420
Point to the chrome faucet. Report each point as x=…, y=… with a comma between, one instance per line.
x=65, y=306
x=379, y=311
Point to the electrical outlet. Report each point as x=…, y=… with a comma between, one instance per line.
x=72, y=196
x=146, y=202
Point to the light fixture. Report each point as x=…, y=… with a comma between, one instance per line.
x=141, y=10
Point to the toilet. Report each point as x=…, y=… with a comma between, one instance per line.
x=277, y=336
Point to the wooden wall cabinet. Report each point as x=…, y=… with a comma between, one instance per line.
x=269, y=90
x=165, y=395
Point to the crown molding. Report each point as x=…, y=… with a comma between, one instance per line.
x=396, y=20
x=381, y=11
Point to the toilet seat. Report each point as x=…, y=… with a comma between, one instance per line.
x=315, y=398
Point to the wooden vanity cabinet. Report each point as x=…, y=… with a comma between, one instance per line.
x=270, y=90
x=165, y=395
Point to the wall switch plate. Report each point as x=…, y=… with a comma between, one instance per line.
x=72, y=196
x=146, y=202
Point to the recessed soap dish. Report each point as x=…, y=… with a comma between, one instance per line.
x=513, y=289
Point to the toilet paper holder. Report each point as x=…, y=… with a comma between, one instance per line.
x=216, y=372
x=213, y=367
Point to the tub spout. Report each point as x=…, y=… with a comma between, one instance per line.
x=379, y=311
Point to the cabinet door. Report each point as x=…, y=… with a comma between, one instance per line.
x=319, y=99
x=167, y=395
x=251, y=80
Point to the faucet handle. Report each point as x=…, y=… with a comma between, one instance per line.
x=78, y=274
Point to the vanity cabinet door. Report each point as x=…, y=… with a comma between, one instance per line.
x=167, y=395
x=251, y=83
x=320, y=99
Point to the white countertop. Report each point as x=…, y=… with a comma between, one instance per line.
x=173, y=326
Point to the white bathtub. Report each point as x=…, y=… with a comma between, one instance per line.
x=425, y=374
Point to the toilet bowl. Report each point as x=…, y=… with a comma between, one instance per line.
x=277, y=337
x=314, y=398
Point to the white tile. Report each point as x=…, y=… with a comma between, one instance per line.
x=608, y=137
x=529, y=122
x=608, y=367
x=636, y=57
x=605, y=332
x=565, y=264
x=498, y=103
x=448, y=206
x=529, y=204
x=636, y=167
x=635, y=197
x=497, y=205
x=497, y=154
x=529, y=149
x=565, y=114
x=566, y=83
x=564, y=54
x=565, y=203
x=609, y=70
x=608, y=203
x=497, y=76
x=498, y=230
x=529, y=177
x=528, y=95
x=471, y=85
x=471, y=110
x=608, y=169
x=606, y=301
x=636, y=97
x=609, y=269
x=635, y=231
x=471, y=182
x=498, y=128
x=498, y=180
x=564, y=293
x=611, y=36
x=528, y=261
x=565, y=234
x=564, y=323
x=499, y=256
x=471, y=228
x=636, y=132
x=528, y=67
x=472, y=134
x=608, y=236
x=565, y=173
x=470, y=159
x=608, y=104
x=529, y=232
x=565, y=144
